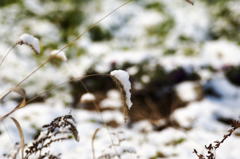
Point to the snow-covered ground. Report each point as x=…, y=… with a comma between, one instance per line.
x=136, y=39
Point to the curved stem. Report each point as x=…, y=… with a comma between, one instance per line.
x=95, y=104
x=70, y=66
x=93, y=137
x=7, y=53
x=73, y=41
x=76, y=76
x=8, y=134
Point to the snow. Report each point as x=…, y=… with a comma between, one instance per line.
x=31, y=41
x=26, y=38
x=123, y=78
x=132, y=70
x=145, y=78
x=61, y=55
x=221, y=52
x=87, y=97
x=186, y=91
x=223, y=87
x=113, y=100
x=131, y=44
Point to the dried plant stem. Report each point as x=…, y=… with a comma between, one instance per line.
x=40, y=152
x=93, y=137
x=188, y=135
x=106, y=128
x=73, y=41
x=95, y=104
x=76, y=76
x=80, y=78
x=7, y=132
x=70, y=66
x=9, y=136
x=7, y=54
x=74, y=72
x=63, y=84
x=123, y=96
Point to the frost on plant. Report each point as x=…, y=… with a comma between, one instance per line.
x=123, y=78
x=30, y=41
x=61, y=55
x=87, y=97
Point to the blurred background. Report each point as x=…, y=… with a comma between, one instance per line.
x=183, y=63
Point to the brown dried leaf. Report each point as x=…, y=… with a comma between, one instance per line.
x=21, y=104
x=20, y=134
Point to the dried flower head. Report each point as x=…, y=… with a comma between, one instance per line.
x=31, y=41
x=61, y=128
x=61, y=55
x=121, y=78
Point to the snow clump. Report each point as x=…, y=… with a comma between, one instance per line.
x=187, y=91
x=30, y=41
x=87, y=97
x=61, y=55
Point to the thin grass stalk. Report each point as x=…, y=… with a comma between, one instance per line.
x=189, y=137
x=92, y=101
x=107, y=129
x=7, y=132
x=76, y=76
x=95, y=104
x=63, y=84
x=93, y=137
x=7, y=54
x=70, y=66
